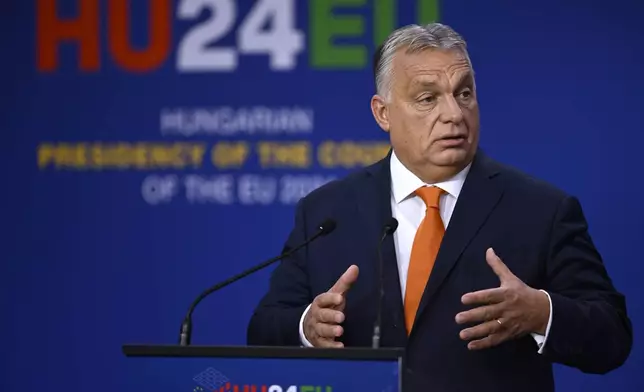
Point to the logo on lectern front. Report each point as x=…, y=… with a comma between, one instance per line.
x=212, y=380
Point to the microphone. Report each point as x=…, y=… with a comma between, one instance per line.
x=388, y=229
x=186, y=327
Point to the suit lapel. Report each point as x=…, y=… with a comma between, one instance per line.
x=374, y=205
x=479, y=196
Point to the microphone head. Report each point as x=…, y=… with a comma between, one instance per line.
x=328, y=226
x=391, y=226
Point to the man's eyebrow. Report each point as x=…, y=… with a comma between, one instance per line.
x=424, y=83
x=467, y=79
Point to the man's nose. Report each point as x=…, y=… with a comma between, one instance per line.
x=450, y=110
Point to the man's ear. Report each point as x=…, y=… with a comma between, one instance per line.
x=379, y=111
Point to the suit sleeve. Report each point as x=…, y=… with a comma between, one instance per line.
x=590, y=328
x=275, y=321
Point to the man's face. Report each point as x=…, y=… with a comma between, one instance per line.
x=432, y=114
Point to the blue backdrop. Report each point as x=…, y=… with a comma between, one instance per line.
x=152, y=148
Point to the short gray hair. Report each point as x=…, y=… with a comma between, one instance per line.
x=415, y=39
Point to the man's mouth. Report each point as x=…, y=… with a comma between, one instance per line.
x=454, y=137
x=453, y=141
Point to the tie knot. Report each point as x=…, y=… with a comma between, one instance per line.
x=430, y=195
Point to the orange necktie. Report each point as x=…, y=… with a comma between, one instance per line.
x=423, y=252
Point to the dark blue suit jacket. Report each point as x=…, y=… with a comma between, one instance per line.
x=537, y=230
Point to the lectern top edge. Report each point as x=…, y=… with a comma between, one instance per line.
x=350, y=353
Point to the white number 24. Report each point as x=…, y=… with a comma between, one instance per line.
x=282, y=43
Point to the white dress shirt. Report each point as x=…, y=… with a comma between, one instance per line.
x=409, y=210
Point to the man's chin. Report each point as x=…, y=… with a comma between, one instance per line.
x=452, y=157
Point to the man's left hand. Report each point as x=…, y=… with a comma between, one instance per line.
x=510, y=311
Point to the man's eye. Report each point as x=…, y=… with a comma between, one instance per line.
x=427, y=99
x=467, y=93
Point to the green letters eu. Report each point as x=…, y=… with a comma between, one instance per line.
x=325, y=26
x=428, y=11
x=384, y=19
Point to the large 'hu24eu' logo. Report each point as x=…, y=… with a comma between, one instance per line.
x=214, y=35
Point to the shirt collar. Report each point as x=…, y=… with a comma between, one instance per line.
x=404, y=182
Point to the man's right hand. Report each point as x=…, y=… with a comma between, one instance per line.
x=322, y=322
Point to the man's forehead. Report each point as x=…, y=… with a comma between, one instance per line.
x=436, y=60
x=431, y=65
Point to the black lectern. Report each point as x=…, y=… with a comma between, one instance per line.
x=262, y=369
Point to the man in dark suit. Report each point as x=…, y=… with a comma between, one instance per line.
x=491, y=275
